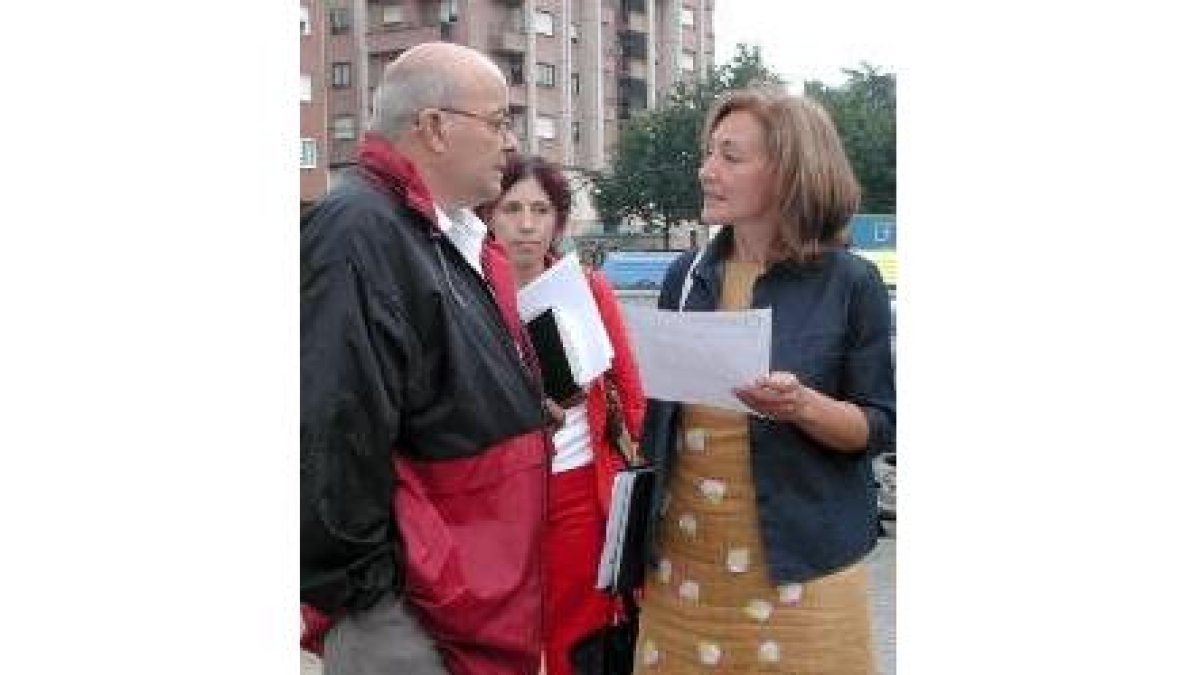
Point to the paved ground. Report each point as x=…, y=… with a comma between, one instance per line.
x=882, y=562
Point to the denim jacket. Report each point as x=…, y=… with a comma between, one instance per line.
x=817, y=507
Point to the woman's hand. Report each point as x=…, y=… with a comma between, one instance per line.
x=780, y=396
x=777, y=395
x=555, y=415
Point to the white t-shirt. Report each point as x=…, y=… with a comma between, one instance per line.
x=572, y=443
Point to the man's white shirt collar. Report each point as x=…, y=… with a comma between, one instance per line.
x=466, y=231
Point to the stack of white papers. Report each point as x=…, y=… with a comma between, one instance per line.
x=564, y=288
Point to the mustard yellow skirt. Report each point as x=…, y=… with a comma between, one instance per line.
x=710, y=607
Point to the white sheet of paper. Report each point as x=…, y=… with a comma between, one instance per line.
x=609, y=556
x=700, y=357
x=564, y=288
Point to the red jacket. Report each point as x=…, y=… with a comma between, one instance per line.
x=623, y=374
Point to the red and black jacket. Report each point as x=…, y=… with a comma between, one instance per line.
x=423, y=447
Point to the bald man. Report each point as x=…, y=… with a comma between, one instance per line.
x=422, y=434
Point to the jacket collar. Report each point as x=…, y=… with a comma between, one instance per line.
x=708, y=271
x=719, y=249
x=394, y=172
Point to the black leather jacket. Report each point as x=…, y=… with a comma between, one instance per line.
x=402, y=350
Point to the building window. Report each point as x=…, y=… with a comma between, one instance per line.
x=545, y=127
x=574, y=32
x=631, y=96
x=515, y=20
x=305, y=26
x=515, y=69
x=339, y=20
x=344, y=128
x=687, y=17
x=687, y=61
x=545, y=75
x=340, y=77
x=308, y=153
x=305, y=87
x=633, y=43
x=575, y=131
x=393, y=14
x=543, y=23
x=575, y=84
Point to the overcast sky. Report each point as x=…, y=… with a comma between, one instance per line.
x=804, y=39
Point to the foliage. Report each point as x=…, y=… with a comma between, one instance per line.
x=653, y=173
x=864, y=110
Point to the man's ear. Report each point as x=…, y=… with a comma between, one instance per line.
x=431, y=129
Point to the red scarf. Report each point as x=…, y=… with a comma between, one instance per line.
x=499, y=276
x=396, y=173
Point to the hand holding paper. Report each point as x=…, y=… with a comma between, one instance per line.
x=777, y=395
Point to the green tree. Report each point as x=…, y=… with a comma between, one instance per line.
x=864, y=110
x=653, y=173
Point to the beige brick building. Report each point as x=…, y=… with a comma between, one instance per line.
x=578, y=68
x=314, y=142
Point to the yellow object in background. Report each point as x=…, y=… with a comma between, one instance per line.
x=885, y=260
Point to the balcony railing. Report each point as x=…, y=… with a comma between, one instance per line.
x=507, y=40
x=636, y=68
x=636, y=21
x=400, y=40
x=516, y=96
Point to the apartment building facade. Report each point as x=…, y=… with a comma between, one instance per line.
x=314, y=145
x=577, y=68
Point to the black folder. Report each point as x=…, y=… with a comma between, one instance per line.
x=547, y=338
x=623, y=559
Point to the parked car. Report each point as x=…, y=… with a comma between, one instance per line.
x=637, y=270
x=884, y=466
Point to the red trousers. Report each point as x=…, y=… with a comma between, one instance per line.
x=574, y=607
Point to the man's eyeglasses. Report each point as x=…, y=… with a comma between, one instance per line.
x=501, y=123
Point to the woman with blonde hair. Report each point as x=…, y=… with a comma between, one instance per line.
x=764, y=519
